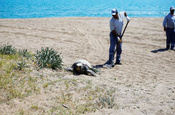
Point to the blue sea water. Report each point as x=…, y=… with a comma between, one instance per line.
x=82, y=8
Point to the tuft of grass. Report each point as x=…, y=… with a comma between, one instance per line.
x=20, y=112
x=15, y=83
x=34, y=107
x=21, y=64
x=45, y=85
x=7, y=49
x=49, y=58
x=105, y=102
x=83, y=100
x=84, y=108
x=24, y=53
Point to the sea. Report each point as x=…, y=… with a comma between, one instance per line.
x=82, y=8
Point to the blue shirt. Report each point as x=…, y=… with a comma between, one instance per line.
x=169, y=21
x=117, y=24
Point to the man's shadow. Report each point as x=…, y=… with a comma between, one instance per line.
x=159, y=50
x=98, y=66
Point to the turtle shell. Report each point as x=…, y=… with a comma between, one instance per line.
x=84, y=62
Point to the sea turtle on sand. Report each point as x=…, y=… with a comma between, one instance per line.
x=82, y=67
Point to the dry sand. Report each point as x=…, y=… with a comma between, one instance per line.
x=144, y=83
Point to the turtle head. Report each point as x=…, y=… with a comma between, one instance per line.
x=79, y=66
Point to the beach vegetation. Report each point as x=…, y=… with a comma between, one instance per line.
x=84, y=99
x=15, y=79
x=19, y=79
x=48, y=57
x=20, y=112
x=21, y=64
x=34, y=107
x=7, y=49
x=25, y=53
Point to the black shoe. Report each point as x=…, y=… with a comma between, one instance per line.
x=112, y=65
x=167, y=47
x=108, y=65
x=172, y=49
x=118, y=63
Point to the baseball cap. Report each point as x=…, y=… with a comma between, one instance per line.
x=172, y=8
x=114, y=12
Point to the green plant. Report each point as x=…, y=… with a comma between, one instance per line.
x=49, y=58
x=34, y=107
x=21, y=65
x=24, y=53
x=20, y=112
x=46, y=85
x=106, y=101
x=7, y=49
x=15, y=84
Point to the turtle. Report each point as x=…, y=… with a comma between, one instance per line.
x=82, y=67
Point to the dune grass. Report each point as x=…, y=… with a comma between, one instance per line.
x=15, y=80
x=76, y=96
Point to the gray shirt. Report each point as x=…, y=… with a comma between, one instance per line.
x=117, y=24
x=169, y=21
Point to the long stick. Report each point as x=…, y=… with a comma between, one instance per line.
x=122, y=34
x=124, y=29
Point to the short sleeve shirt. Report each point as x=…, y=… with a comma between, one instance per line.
x=169, y=21
x=117, y=24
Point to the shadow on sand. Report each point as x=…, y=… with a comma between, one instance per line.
x=98, y=66
x=159, y=50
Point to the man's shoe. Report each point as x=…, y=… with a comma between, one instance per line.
x=108, y=65
x=167, y=47
x=172, y=49
x=118, y=63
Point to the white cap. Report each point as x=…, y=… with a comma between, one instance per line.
x=114, y=12
x=172, y=8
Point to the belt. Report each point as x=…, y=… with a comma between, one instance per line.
x=170, y=28
x=117, y=34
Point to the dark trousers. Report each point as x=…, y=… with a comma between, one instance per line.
x=170, y=38
x=115, y=45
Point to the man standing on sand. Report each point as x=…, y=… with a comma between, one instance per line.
x=169, y=28
x=116, y=26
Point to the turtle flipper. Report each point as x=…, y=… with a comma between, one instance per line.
x=69, y=69
x=91, y=72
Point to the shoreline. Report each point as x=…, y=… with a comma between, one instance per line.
x=78, y=17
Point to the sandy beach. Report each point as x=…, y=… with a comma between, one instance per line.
x=144, y=84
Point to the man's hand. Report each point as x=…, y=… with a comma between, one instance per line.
x=125, y=14
x=128, y=19
x=115, y=33
x=119, y=39
x=165, y=29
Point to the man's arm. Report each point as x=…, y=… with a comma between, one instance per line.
x=128, y=19
x=164, y=23
x=115, y=33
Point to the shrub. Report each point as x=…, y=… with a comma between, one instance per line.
x=48, y=57
x=7, y=49
x=21, y=64
x=24, y=53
